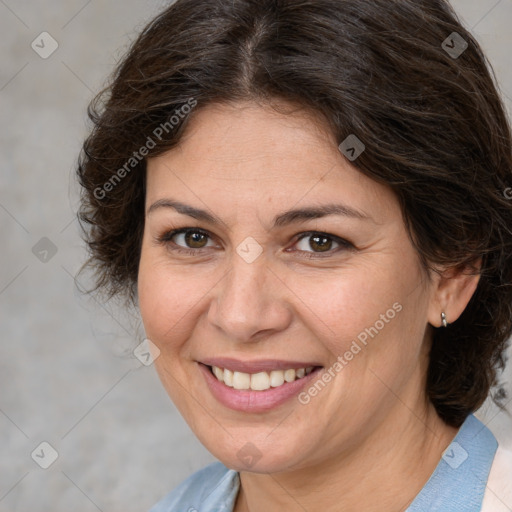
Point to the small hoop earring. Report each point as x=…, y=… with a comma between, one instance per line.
x=443, y=320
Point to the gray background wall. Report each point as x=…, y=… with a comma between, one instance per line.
x=67, y=373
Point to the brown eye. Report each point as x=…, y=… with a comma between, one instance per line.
x=320, y=243
x=186, y=238
x=316, y=243
x=195, y=239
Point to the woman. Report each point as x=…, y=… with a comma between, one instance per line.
x=306, y=201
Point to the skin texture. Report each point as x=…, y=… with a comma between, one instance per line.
x=370, y=439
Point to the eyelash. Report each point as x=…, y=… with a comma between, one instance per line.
x=166, y=239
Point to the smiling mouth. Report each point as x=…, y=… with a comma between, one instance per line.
x=260, y=381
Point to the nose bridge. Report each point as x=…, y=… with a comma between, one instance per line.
x=248, y=300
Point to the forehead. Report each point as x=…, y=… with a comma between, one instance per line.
x=250, y=153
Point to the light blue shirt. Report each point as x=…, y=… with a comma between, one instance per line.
x=456, y=485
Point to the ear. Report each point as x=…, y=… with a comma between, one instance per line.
x=452, y=290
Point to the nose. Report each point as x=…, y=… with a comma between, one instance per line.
x=251, y=302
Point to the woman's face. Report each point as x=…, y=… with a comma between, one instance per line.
x=252, y=289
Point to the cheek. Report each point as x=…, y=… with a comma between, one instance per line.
x=372, y=316
x=167, y=301
x=168, y=305
x=343, y=303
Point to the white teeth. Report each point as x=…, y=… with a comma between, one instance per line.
x=241, y=380
x=276, y=378
x=218, y=372
x=228, y=377
x=289, y=375
x=260, y=381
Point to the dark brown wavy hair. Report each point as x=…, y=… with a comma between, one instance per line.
x=391, y=72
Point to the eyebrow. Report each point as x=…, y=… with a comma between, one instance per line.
x=283, y=219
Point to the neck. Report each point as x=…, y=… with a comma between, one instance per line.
x=384, y=472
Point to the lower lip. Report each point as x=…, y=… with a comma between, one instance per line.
x=254, y=401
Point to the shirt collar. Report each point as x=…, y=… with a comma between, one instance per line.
x=458, y=483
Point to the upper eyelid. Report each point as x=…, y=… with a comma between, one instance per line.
x=168, y=234
x=343, y=242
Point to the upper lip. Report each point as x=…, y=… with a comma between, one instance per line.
x=256, y=366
